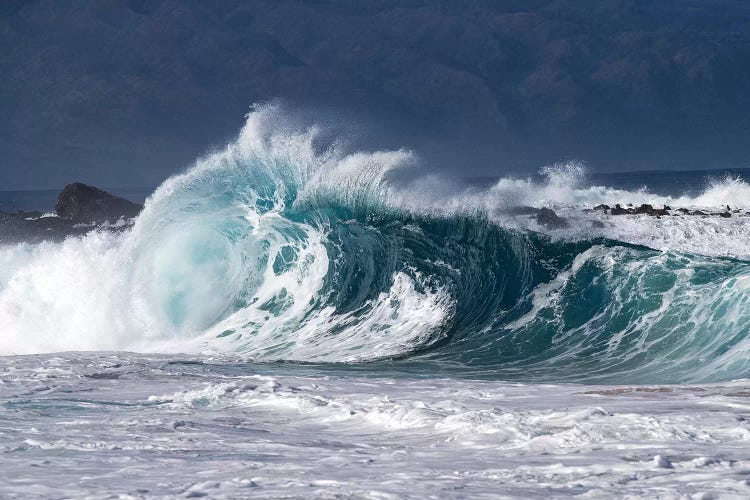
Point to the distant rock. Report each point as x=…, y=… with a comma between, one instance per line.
x=647, y=209
x=549, y=218
x=82, y=203
x=618, y=210
x=644, y=209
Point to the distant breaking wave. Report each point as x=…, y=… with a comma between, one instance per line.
x=276, y=250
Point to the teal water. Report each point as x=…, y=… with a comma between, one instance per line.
x=286, y=322
x=276, y=252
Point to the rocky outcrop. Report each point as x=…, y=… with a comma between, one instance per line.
x=618, y=210
x=548, y=217
x=646, y=209
x=82, y=203
x=650, y=210
x=544, y=216
x=80, y=208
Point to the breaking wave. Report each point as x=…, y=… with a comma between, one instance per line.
x=278, y=248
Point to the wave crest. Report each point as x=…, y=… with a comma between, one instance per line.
x=278, y=248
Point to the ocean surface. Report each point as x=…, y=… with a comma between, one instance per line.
x=43, y=200
x=286, y=320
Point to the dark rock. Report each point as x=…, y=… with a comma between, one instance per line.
x=86, y=204
x=698, y=212
x=683, y=210
x=726, y=215
x=644, y=209
x=667, y=207
x=618, y=210
x=602, y=207
x=549, y=218
x=597, y=224
x=650, y=210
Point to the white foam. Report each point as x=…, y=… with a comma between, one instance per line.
x=662, y=304
x=162, y=428
x=565, y=186
x=200, y=263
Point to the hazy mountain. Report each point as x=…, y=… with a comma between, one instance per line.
x=123, y=92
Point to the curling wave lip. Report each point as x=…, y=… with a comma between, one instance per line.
x=273, y=250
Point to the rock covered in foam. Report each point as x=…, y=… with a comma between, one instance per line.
x=647, y=209
x=549, y=218
x=544, y=216
x=88, y=204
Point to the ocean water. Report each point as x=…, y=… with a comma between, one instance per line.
x=44, y=200
x=285, y=320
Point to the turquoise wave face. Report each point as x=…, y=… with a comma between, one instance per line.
x=489, y=301
x=608, y=312
x=290, y=257
x=276, y=252
x=526, y=307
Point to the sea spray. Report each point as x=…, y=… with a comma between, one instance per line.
x=275, y=249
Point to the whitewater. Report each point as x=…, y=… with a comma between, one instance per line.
x=291, y=319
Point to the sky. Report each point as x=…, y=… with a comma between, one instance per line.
x=123, y=93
